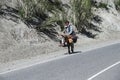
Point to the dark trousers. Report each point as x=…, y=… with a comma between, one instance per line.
x=70, y=47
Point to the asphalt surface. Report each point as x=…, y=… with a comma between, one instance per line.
x=79, y=66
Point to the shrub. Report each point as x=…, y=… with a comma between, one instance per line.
x=103, y=5
x=99, y=5
x=46, y=12
x=117, y=4
x=82, y=12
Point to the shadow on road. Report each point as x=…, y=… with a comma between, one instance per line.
x=76, y=52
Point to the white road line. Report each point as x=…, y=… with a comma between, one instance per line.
x=94, y=76
x=27, y=66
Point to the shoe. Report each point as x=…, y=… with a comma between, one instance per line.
x=72, y=51
x=61, y=45
x=69, y=52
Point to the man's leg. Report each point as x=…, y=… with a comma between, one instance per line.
x=72, y=47
x=68, y=44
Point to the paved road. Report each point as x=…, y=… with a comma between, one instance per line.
x=99, y=64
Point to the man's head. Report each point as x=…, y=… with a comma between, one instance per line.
x=66, y=23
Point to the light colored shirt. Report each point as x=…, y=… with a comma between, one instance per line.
x=68, y=30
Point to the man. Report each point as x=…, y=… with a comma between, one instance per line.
x=69, y=29
x=68, y=35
